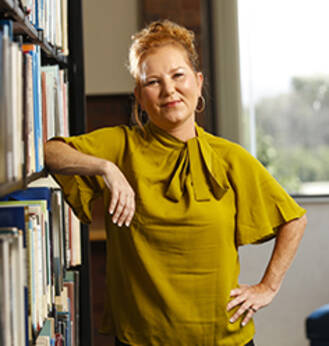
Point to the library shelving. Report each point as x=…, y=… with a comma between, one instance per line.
x=41, y=43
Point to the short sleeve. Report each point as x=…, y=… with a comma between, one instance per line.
x=262, y=204
x=81, y=191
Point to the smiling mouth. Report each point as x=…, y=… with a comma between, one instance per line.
x=171, y=104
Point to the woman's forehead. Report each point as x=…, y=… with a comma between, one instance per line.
x=162, y=58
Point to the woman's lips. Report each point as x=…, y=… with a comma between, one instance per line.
x=171, y=104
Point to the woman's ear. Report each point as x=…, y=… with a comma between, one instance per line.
x=199, y=77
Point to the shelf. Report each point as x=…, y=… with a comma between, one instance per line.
x=23, y=26
x=10, y=187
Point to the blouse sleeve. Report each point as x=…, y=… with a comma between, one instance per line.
x=262, y=204
x=81, y=191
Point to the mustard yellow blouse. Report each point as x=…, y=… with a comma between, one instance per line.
x=169, y=275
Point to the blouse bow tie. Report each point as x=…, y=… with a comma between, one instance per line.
x=206, y=169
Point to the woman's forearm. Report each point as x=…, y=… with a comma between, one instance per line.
x=63, y=159
x=286, y=245
x=252, y=298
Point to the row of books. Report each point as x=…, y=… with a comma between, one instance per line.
x=63, y=329
x=50, y=17
x=33, y=106
x=39, y=242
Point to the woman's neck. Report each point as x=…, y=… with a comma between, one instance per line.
x=183, y=131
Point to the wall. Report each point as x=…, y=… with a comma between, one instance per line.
x=108, y=26
x=305, y=287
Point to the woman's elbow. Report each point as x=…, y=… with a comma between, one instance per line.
x=303, y=220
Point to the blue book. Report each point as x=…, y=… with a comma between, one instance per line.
x=31, y=194
x=39, y=110
x=39, y=14
x=14, y=216
x=7, y=26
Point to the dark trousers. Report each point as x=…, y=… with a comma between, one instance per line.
x=119, y=343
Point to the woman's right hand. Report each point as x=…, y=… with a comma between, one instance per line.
x=122, y=204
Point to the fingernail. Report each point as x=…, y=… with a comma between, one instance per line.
x=127, y=224
x=120, y=224
x=114, y=221
x=243, y=324
x=231, y=320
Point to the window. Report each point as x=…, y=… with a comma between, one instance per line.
x=284, y=61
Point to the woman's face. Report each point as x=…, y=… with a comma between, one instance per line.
x=169, y=88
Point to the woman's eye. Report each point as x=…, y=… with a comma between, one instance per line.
x=178, y=75
x=152, y=82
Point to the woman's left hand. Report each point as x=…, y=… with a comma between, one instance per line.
x=250, y=299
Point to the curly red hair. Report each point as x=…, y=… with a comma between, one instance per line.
x=158, y=34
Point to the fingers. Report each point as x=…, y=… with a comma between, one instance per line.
x=246, y=309
x=237, y=301
x=238, y=291
x=127, y=212
x=250, y=312
x=248, y=299
x=122, y=203
x=122, y=207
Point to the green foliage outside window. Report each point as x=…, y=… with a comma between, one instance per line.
x=293, y=133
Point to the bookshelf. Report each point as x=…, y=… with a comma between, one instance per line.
x=17, y=12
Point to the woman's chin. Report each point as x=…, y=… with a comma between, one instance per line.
x=177, y=119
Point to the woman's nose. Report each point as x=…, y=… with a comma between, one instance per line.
x=168, y=87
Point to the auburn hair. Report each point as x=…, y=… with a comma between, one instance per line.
x=158, y=34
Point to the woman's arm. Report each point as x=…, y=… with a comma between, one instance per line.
x=252, y=298
x=61, y=158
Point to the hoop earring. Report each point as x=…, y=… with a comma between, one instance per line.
x=203, y=105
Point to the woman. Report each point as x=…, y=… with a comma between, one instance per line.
x=180, y=203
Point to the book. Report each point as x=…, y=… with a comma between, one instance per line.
x=17, y=283
x=2, y=113
x=34, y=51
x=5, y=290
x=28, y=110
x=12, y=215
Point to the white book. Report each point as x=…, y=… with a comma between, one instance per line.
x=13, y=122
x=31, y=276
x=29, y=116
x=39, y=271
x=13, y=290
x=42, y=340
x=19, y=134
x=5, y=287
x=65, y=44
x=8, y=62
x=76, y=240
x=17, y=283
x=51, y=107
x=57, y=107
x=65, y=108
x=58, y=27
x=52, y=24
x=2, y=114
x=67, y=233
x=21, y=282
